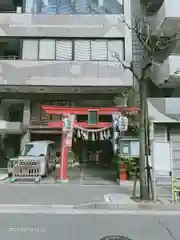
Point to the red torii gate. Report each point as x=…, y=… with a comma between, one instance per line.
x=59, y=110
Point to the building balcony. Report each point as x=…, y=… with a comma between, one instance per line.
x=167, y=18
x=164, y=109
x=63, y=74
x=62, y=25
x=168, y=73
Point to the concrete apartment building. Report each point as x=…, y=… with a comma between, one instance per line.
x=164, y=93
x=61, y=52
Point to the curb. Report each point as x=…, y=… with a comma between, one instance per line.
x=138, y=206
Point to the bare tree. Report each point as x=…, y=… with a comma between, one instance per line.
x=153, y=47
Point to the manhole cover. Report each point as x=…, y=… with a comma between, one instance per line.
x=115, y=237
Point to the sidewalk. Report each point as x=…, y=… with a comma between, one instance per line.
x=163, y=194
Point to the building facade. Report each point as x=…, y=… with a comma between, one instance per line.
x=60, y=52
x=164, y=101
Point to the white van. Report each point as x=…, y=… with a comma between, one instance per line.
x=43, y=151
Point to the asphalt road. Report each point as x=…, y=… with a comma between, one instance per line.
x=88, y=226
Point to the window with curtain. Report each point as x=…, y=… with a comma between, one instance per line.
x=82, y=50
x=46, y=49
x=99, y=50
x=30, y=49
x=115, y=47
x=64, y=50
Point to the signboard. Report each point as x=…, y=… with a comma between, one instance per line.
x=162, y=157
x=68, y=129
x=123, y=123
x=162, y=166
x=93, y=117
x=68, y=123
x=120, y=122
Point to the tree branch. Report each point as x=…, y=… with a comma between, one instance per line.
x=130, y=67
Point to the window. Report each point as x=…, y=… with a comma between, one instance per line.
x=75, y=6
x=64, y=50
x=29, y=8
x=115, y=47
x=82, y=6
x=30, y=49
x=82, y=50
x=48, y=6
x=46, y=49
x=34, y=149
x=99, y=50
x=70, y=49
x=65, y=6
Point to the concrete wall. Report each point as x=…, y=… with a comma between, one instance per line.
x=55, y=73
x=167, y=106
x=63, y=25
x=67, y=26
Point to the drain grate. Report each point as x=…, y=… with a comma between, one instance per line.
x=115, y=237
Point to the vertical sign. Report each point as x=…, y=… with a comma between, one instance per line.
x=116, y=132
x=68, y=129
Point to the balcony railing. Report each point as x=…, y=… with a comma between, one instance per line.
x=75, y=7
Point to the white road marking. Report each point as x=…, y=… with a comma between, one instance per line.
x=68, y=210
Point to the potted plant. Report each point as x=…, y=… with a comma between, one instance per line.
x=130, y=166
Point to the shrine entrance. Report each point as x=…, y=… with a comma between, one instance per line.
x=91, y=142
x=94, y=152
